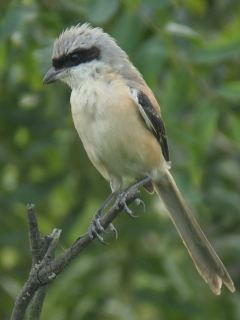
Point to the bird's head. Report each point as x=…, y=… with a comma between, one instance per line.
x=79, y=50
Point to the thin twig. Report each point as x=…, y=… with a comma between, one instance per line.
x=42, y=249
x=24, y=297
x=34, y=234
x=35, y=307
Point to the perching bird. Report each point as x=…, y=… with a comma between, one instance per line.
x=119, y=122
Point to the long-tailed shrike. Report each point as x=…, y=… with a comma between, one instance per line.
x=119, y=122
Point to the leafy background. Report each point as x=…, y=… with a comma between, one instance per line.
x=189, y=54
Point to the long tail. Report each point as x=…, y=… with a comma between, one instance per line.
x=202, y=253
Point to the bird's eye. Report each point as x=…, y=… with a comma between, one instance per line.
x=74, y=57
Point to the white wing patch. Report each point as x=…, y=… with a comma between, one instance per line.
x=151, y=118
x=134, y=94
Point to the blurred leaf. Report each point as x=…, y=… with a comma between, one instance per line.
x=150, y=58
x=196, y=6
x=204, y=124
x=181, y=30
x=15, y=18
x=215, y=54
x=100, y=11
x=230, y=91
x=128, y=30
x=153, y=4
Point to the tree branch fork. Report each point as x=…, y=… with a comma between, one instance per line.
x=45, y=266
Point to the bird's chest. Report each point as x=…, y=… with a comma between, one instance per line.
x=96, y=117
x=91, y=106
x=86, y=105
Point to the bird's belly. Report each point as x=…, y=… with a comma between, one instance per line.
x=103, y=144
x=111, y=135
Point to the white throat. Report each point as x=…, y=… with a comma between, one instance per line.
x=77, y=76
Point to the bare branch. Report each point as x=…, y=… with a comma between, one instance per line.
x=42, y=249
x=34, y=234
x=45, y=267
x=24, y=297
x=36, y=304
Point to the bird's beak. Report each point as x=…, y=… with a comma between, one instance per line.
x=52, y=75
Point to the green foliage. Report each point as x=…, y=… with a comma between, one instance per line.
x=188, y=52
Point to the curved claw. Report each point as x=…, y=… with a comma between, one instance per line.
x=139, y=202
x=98, y=225
x=94, y=229
x=113, y=229
x=100, y=238
x=122, y=202
x=129, y=212
x=126, y=208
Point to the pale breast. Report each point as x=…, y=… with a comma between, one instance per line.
x=108, y=124
x=92, y=105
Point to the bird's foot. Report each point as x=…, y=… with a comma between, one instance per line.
x=140, y=202
x=131, y=190
x=95, y=228
x=122, y=202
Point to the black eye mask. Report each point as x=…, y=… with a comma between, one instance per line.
x=76, y=57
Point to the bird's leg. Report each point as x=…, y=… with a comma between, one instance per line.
x=95, y=227
x=132, y=189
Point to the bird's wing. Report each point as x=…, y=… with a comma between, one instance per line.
x=152, y=119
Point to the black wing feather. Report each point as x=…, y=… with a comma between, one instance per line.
x=157, y=125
